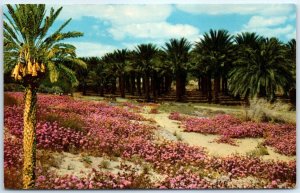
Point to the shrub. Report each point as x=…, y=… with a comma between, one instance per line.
x=71, y=120
x=104, y=164
x=10, y=100
x=12, y=87
x=260, y=150
x=153, y=111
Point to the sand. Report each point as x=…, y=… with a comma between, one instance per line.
x=215, y=149
x=73, y=164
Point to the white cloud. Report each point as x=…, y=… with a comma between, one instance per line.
x=272, y=32
x=270, y=26
x=95, y=27
x=160, y=30
x=85, y=49
x=118, y=14
x=291, y=35
x=138, y=21
x=266, y=20
x=241, y=9
x=259, y=21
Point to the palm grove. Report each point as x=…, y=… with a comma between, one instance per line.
x=245, y=65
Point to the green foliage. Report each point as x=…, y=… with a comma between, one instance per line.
x=50, y=90
x=9, y=100
x=260, y=150
x=30, y=51
x=87, y=160
x=72, y=122
x=145, y=55
x=13, y=87
x=177, y=53
x=259, y=72
x=214, y=53
x=104, y=164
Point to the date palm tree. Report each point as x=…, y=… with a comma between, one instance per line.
x=118, y=62
x=247, y=41
x=177, y=52
x=259, y=72
x=291, y=56
x=145, y=56
x=216, y=49
x=32, y=54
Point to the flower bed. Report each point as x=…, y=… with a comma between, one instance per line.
x=280, y=136
x=115, y=131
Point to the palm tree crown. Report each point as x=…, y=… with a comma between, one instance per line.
x=29, y=50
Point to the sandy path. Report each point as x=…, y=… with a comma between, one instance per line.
x=73, y=164
x=213, y=148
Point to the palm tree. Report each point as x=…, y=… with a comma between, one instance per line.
x=259, y=72
x=119, y=59
x=145, y=55
x=291, y=56
x=216, y=50
x=31, y=54
x=177, y=51
x=245, y=41
x=82, y=74
x=94, y=76
x=163, y=69
x=201, y=70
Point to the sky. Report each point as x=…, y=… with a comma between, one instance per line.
x=109, y=27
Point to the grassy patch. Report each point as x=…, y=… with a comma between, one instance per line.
x=73, y=121
x=178, y=136
x=181, y=108
x=260, y=150
x=262, y=111
x=46, y=159
x=201, y=109
x=86, y=159
x=104, y=164
x=10, y=100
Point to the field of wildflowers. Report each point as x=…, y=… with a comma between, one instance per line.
x=118, y=130
x=280, y=136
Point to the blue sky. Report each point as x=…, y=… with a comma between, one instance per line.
x=109, y=27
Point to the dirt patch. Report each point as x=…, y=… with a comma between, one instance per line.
x=168, y=127
x=80, y=165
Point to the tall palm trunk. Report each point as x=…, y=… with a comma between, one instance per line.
x=127, y=84
x=224, y=85
x=199, y=83
x=147, y=87
x=154, y=85
x=138, y=85
x=29, y=137
x=292, y=96
x=114, y=87
x=84, y=88
x=178, y=87
x=209, y=94
x=216, y=88
x=122, y=85
x=168, y=83
x=204, y=83
x=158, y=85
x=183, y=82
x=132, y=82
x=144, y=85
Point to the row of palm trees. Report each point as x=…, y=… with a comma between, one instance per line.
x=249, y=64
x=245, y=65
